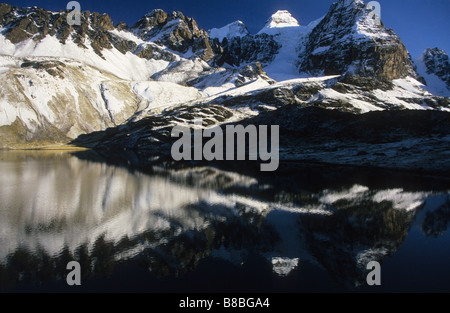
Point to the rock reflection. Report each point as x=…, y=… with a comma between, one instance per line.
x=436, y=222
x=357, y=233
x=57, y=207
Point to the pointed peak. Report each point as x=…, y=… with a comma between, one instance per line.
x=152, y=18
x=434, y=51
x=234, y=29
x=353, y=7
x=351, y=3
x=356, y=6
x=155, y=12
x=281, y=18
x=238, y=22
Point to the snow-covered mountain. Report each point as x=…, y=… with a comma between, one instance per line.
x=60, y=81
x=291, y=37
x=235, y=29
x=352, y=39
x=280, y=19
x=434, y=66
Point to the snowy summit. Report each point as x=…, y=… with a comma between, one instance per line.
x=235, y=29
x=281, y=18
x=434, y=66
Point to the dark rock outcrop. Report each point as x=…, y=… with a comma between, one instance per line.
x=437, y=63
x=176, y=31
x=237, y=50
x=250, y=73
x=350, y=39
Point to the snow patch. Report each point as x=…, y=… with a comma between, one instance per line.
x=6, y=46
x=364, y=257
x=355, y=192
x=400, y=199
x=162, y=95
x=321, y=50
x=283, y=266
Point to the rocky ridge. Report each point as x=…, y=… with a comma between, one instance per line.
x=166, y=68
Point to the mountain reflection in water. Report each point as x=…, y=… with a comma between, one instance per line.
x=166, y=226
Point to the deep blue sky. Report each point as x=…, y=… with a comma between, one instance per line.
x=419, y=23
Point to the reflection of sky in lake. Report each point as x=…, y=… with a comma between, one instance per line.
x=55, y=203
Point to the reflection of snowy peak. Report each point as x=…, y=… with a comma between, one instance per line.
x=137, y=214
x=235, y=29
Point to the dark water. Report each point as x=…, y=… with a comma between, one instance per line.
x=139, y=226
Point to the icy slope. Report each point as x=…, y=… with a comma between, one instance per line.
x=126, y=66
x=434, y=66
x=292, y=38
x=57, y=99
x=235, y=29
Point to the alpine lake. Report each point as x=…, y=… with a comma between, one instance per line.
x=159, y=226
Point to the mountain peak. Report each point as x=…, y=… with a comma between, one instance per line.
x=235, y=29
x=435, y=51
x=154, y=12
x=354, y=3
x=152, y=18
x=349, y=33
x=434, y=66
x=281, y=18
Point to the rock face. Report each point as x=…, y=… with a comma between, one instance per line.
x=235, y=29
x=234, y=45
x=352, y=39
x=237, y=50
x=250, y=73
x=36, y=23
x=176, y=31
x=51, y=101
x=433, y=66
x=437, y=63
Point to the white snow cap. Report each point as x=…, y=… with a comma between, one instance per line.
x=281, y=18
x=235, y=29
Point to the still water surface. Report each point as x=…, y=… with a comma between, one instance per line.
x=162, y=227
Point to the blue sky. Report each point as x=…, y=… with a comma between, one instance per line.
x=419, y=23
